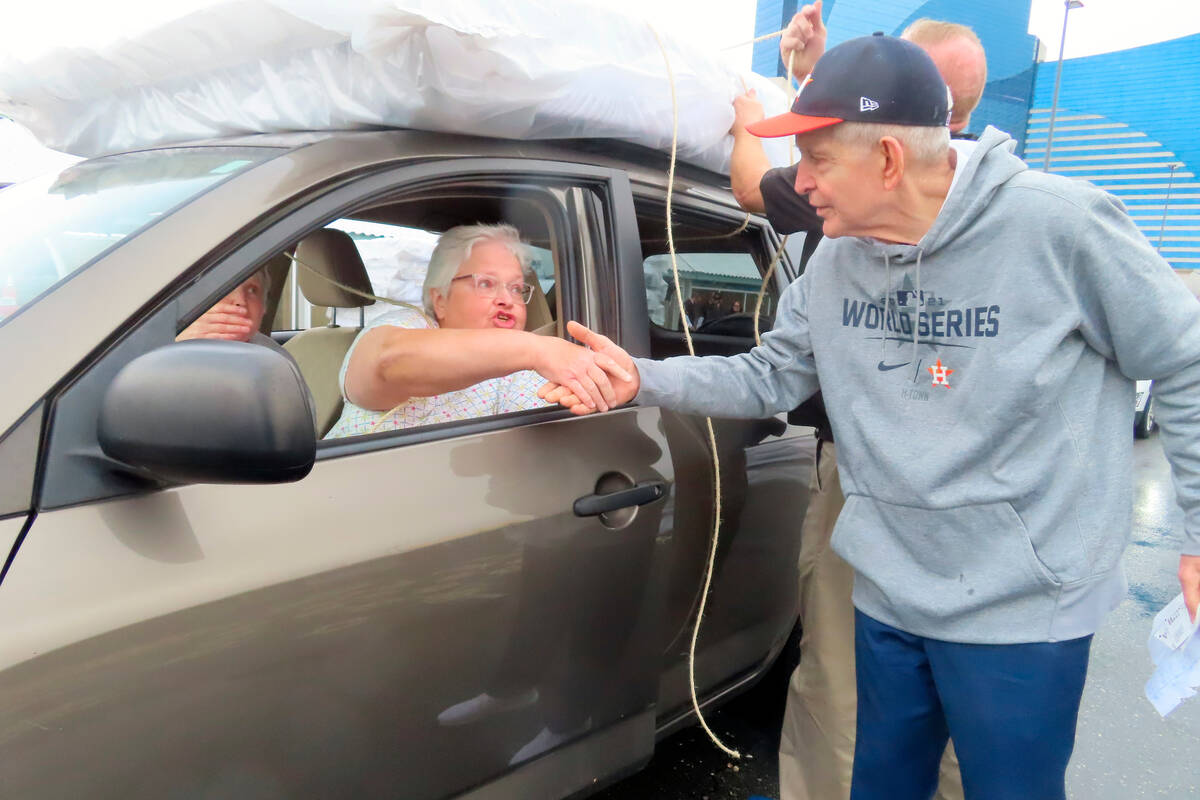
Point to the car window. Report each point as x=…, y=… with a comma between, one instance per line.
x=396, y=259
x=713, y=285
x=320, y=299
x=543, y=267
x=55, y=225
x=721, y=261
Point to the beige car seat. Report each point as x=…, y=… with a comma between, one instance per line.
x=538, y=317
x=329, y=255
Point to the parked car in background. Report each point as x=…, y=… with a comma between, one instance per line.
x=1143, y=410
x=200, y=598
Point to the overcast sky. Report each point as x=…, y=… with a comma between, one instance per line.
x=1100, y=26
x=1105, y=25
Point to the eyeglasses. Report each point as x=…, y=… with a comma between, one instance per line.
x=487, y=286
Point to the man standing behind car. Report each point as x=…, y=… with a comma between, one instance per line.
x=985, y=521
x=816, y=747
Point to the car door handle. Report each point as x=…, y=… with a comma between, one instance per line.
x=594, y=504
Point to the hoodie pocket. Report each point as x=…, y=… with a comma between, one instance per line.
x=936, y=563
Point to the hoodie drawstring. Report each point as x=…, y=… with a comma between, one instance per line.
x=887, y=309
x=916, y=323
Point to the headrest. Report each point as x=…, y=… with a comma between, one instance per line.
x=331, y=254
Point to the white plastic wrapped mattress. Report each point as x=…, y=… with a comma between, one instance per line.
x=523, y=69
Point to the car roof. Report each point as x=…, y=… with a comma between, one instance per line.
x=362, y=148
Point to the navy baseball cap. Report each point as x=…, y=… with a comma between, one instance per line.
x=869, y=79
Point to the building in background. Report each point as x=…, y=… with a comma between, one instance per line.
x=1126, y=120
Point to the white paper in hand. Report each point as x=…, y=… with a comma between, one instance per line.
x=1175, y=649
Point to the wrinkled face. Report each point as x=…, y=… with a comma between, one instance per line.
x=464, y=306
x=250, y=295
x=843, y=183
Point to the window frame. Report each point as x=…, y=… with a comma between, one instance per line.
x=765, y=241
x=72, y=468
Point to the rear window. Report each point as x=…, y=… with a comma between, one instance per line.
x=53, y=226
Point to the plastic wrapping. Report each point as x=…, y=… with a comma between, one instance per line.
x=527, y=69
x=22, y=157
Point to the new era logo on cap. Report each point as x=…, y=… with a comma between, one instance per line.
x=877, y=79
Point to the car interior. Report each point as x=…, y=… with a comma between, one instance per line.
x=327, y=271
x=698, y=238
x=321, y=292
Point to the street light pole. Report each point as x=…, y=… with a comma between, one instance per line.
x=1069, y=4
x=1166, y=204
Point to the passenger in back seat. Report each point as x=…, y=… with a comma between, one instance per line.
x=468, y=354
x=237, y=316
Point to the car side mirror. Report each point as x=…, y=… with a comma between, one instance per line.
x=206, y=411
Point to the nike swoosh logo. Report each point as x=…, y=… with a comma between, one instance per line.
x=885, y=367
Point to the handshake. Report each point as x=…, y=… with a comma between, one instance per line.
x=595, y=377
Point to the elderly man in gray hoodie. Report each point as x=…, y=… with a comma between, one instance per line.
x=976, y=327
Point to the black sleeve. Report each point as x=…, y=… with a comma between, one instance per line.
x=811, y=413
x=787, y=211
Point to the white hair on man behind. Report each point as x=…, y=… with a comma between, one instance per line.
x=455, y=246
x=923, y=144
x=963, y=68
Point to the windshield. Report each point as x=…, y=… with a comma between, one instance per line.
x=53, y=226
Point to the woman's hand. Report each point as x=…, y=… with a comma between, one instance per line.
x=222, y=321
x=622, y=388
x=587, y=374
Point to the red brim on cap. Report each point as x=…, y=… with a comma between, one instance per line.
x=789, y=124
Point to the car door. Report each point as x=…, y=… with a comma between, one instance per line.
x=428, y=613
x=765, y=464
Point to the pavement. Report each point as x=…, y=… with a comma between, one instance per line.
x=1123, y=750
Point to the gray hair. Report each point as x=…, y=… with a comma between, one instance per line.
x=923, y=144
x=264, y=275
x=454, y=247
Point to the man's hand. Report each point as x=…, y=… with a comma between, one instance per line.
x=223, y=321
x=805, y=35
x=589, y=375
x=748, y=161
x=746, y=111
x=625, y=381
x=1189, y=581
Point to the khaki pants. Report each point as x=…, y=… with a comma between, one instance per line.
x=816, y=749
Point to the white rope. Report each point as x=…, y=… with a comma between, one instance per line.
x=762, y=289
x=762, y=38
x=712, y=436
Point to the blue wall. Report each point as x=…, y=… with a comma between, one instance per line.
x=1122, y=120
x=1000, y=26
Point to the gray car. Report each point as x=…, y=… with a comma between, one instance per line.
x=202, y=598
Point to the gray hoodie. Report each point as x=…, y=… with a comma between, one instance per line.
x=985, y=455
